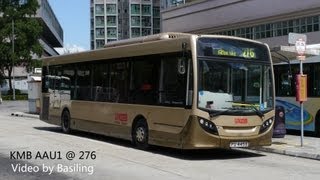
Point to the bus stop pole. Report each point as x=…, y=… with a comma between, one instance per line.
x=301, y=109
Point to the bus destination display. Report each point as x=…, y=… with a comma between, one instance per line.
x=248, y=53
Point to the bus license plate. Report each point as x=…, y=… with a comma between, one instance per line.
x=240, y=144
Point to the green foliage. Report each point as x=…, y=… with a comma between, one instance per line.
x=17, y=91
x=18, y=97
x=35, y=63
x=27, y=31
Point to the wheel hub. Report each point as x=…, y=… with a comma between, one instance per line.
x=140, y=134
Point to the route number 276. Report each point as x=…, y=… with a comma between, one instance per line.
x=249, y=53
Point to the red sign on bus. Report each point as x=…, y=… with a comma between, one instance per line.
x=121, y=117
x=241, y=120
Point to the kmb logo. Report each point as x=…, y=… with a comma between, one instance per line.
x=241, y=120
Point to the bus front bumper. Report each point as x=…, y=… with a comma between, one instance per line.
x=196, y=138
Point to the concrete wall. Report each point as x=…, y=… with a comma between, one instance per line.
x=209, y=16
x=223, y=14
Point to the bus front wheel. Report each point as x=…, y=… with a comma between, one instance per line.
x=140, y=135
x=65, y=121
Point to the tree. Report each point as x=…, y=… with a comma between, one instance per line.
x=18, y=26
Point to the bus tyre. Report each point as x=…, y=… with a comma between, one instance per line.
x=65, y=122
x=140, y=135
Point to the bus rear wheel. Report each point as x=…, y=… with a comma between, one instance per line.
x=140, y=135
x=65, y=122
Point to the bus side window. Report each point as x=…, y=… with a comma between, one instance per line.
x=173, y=83
x=285, y=85
x=144, y=80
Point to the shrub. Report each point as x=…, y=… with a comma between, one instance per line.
x=10, y=92
x=18, y=97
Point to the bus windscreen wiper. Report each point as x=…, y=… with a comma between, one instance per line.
x=217, y=113
x=259, y=113
x=241, y=103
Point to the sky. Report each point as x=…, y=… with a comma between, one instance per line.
x=74, y=18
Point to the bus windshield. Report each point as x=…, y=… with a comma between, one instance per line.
x=225, y=85
x=234, y=76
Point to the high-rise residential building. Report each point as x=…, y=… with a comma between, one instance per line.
x=113, y=20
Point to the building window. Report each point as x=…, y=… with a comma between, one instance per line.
x=99, y=9
x=92, y=44
x=100, y=43
x=111, y=20
x=135, y=20
x=146, y=21
x=92, y=35
x=285, y=28
x=100, y=33
x=281, y=28
x=112, y=32
x=135, y=9
x=91, y=11
x=111, y=8
x=146, y=31
x=135, y=32
x=91, y=23
x=156, y=23
x=146, y=10
x=99, y=21
x=278, y=29
x=315, y=21
x=156, y=12
x=269, y=30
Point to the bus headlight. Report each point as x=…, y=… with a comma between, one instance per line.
x=265, y=125
x=208, y=126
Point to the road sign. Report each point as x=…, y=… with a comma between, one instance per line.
x=294, y=37
x=300, y=46
x=301, y=58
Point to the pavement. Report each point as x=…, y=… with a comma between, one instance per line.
x=290, y=145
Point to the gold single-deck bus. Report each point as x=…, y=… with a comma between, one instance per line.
x=172, y=89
